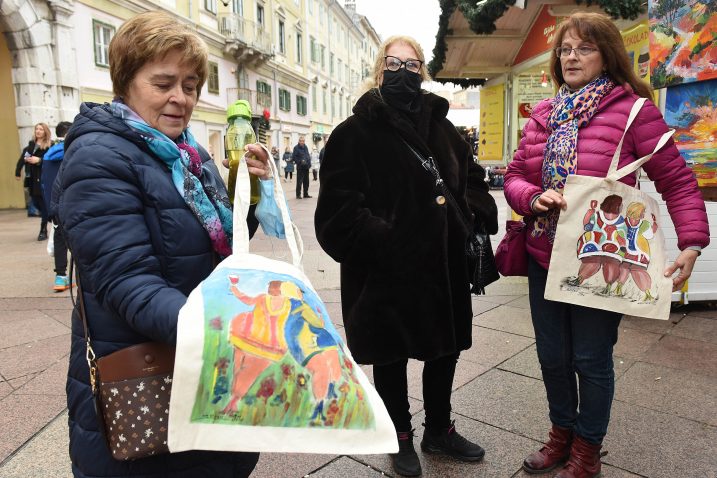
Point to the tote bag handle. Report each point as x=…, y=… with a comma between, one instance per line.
x=240, y=243
x=614, y=174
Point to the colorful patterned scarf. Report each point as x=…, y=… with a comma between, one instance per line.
x=571, y=110
x=212, y=210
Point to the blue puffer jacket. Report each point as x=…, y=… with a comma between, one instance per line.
x=140, y=252
x=51, y=163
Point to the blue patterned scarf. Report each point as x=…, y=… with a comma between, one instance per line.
x=572, y=110
x=212, y=210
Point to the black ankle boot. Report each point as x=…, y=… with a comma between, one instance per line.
x=449, y=442
x=406, y=462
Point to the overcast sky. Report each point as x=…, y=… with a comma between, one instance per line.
x=416, y=18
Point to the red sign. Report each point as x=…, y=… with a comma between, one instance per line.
x=540, y=37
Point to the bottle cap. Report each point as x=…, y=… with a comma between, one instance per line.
x=239, y=108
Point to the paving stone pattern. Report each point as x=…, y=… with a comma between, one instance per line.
x=663, y=421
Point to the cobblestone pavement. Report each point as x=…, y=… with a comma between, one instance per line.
x=664, y=422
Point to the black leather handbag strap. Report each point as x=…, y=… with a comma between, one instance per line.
x=89, y=352
x=429, y=164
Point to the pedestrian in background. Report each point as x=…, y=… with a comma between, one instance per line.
x=275, y=157
x=402, y=247
x=31, y=160
x=597, y=89
x=302, y=160
x=321, y=153
x=315, y=163
x=289, y=168
x=51, y=163
x=147, y=217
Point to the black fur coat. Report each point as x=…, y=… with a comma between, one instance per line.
x=404, y=281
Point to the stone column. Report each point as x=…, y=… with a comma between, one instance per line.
x=44, y=73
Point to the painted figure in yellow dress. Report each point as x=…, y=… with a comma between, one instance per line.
x=280, y=322
x=637, y=250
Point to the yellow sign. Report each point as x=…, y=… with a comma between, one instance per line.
x=637, y=44
x=490, y=140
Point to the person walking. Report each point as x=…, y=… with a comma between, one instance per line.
x=315, y=163
x=585, y=120
x=51, y=163
x=289, y=168
x=302, y=160
x=31, y=160
x=275, y=157
x=147, y=217
x=402, y=247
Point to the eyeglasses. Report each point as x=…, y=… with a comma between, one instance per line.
x=394, y=64
x=565, y=51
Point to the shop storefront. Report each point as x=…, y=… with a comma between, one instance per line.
x=676, y=54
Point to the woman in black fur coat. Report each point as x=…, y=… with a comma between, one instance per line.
x=404, y=280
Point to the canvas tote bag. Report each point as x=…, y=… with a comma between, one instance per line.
x=259, y=365
x=609, y=250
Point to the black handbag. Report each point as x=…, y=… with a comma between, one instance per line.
x=481, y=260
x=482, y=269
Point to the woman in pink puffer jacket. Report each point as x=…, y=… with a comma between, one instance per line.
x=586, y=120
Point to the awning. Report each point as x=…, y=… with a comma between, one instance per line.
x=477, y=41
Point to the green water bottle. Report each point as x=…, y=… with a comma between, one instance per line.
x=239, y=134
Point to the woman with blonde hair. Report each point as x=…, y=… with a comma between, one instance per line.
x=31, y=160
x=404, y=282
x=577, y=132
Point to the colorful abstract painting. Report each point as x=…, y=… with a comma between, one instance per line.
x=683, y=44
x=691, y=109
x=273, y=358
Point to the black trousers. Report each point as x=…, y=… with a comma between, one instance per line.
x=302, y=179
x=39, y=202
x=392, y=386
x=60, y=252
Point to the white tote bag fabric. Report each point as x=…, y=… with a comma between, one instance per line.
x=51, y=241
x=609, y=250
x=259, y=365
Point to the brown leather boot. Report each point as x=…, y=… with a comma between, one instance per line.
x=584, y=460
x=555, y=452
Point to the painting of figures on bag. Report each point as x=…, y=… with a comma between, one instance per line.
x=272, y=357
x=613, y=250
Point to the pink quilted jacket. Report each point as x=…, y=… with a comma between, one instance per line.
x=596, y=145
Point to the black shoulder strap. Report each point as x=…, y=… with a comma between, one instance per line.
x=429, y=165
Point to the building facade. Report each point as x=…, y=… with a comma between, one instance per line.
x=277, y=54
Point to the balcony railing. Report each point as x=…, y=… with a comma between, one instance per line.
x=249, y=37
x=257, y=100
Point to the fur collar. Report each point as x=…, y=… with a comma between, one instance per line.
x=371, y=108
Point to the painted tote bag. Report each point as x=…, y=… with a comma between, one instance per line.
x=259, y=365
x=609, y=250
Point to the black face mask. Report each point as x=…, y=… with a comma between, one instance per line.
x=401, y=89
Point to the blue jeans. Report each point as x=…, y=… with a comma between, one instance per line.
x=574, y=340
